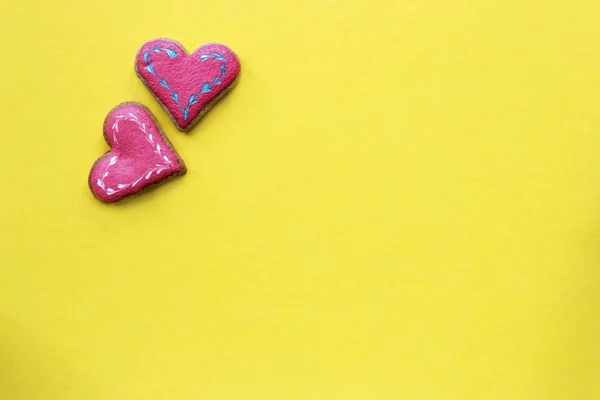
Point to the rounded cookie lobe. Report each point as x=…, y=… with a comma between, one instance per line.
x=186, y=86
x=140, y=157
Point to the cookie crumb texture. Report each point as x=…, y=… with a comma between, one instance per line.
x=186, y=85
x=140, y=156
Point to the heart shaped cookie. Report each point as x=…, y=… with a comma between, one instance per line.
x=140, y=156
x=186, y=86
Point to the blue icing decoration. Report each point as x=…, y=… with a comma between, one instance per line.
x=206, y=87
x=171, y=53
x=163, y=83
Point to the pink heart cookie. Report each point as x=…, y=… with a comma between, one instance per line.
x=186, y=86
x=140, y=157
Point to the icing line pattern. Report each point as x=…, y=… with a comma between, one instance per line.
x=205, y=88
x=158, y=168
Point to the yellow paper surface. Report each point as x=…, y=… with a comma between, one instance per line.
x=400, y=200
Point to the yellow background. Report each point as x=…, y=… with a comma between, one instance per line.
x=400, y=200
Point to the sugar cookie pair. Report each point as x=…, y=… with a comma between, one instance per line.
x=186, y=86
